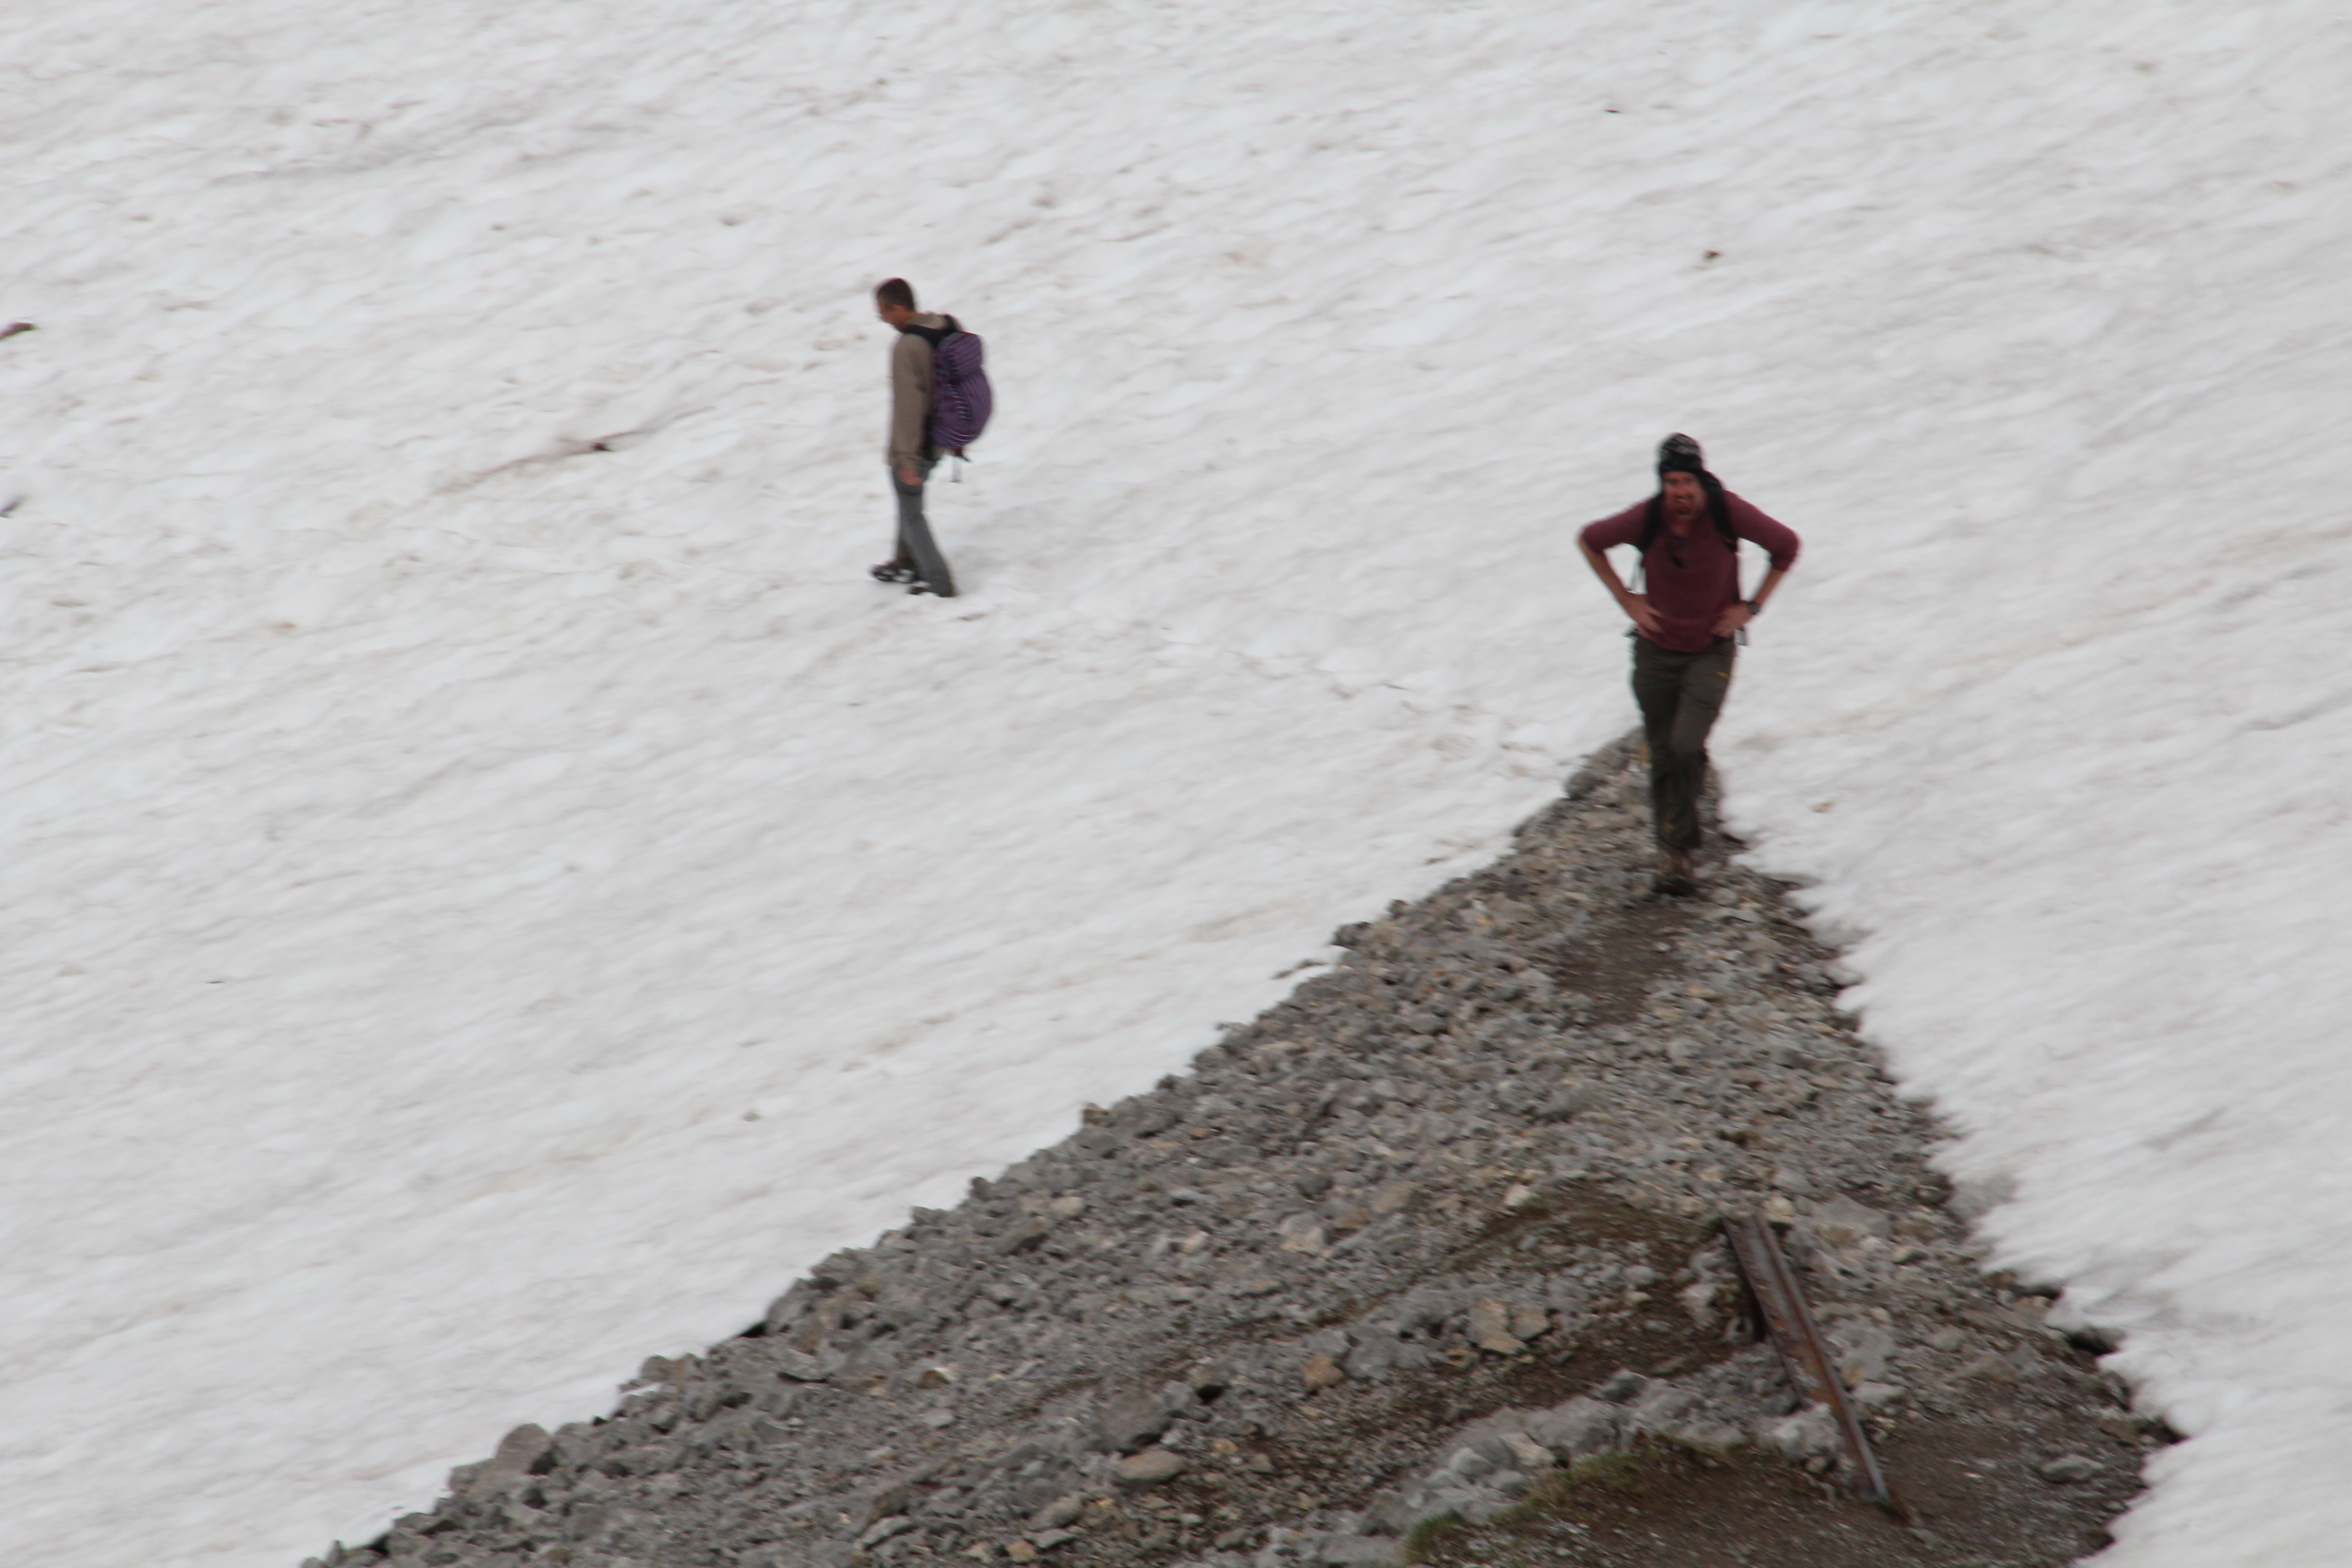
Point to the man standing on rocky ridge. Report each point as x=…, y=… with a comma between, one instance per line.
x=1684, y=625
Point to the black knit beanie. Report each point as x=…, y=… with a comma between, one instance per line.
x=1678, y=454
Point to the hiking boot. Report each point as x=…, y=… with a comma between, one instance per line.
x=1674, y=878
x=892, y=572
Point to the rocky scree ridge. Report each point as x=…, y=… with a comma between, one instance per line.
x=1388, y=1253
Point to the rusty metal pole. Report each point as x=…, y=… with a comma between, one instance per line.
x=1772, y=1284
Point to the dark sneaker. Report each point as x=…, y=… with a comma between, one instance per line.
x=1675, y=879
x=892, y=572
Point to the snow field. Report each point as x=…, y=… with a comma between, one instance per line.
x=432, y=836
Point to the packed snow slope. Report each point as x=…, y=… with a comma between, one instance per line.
x=492, y=891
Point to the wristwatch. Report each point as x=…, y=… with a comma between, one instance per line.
x=1755, y=607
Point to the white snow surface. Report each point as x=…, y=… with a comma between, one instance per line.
x=483, y=908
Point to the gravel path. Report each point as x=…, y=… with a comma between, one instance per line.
x=1419, y=1266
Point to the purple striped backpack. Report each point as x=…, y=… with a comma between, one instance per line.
x=960, y=399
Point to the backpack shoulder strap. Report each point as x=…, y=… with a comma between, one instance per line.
x=1719, y=508
x=1653, y=518
x=1719, y=512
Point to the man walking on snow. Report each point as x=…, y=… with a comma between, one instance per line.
x=1684, y=623
x=913, y=386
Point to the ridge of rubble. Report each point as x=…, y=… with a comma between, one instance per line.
x=1373, y=1280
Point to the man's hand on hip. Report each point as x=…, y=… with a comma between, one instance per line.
x=1732, y=619
x=1637, y=608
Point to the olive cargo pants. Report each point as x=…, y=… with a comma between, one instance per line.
x=1679, y=694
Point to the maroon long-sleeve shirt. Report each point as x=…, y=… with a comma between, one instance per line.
x=1692, y=579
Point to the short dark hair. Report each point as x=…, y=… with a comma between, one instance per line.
x=895, y=291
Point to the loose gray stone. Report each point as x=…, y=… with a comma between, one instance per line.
x=2069, y=1467
x=1526, y=1453
x=883, y=1529
x=1810, y=1433
x=1490, y=1329
x=524, y=1450
x=1578, y=1428
x=1131, y=1420
x=1873, y=1397
x=1062, y=1511
x=1149, y=1468
x=1840, y=1222
x=1621, y=1386
x=1661, y=1405
x=1864, y=1349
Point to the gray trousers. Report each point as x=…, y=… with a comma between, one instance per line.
x=915, y=542
x=1680, y=694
